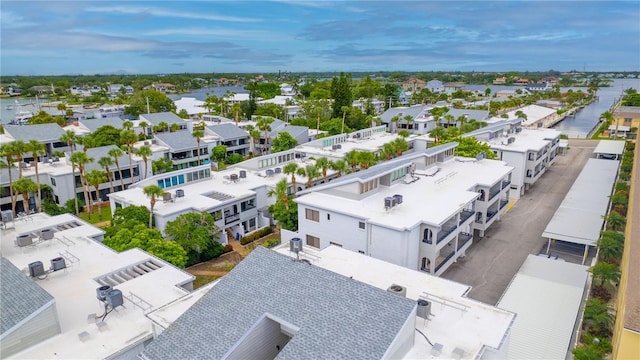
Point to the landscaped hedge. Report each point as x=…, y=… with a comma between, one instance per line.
x=256, y=235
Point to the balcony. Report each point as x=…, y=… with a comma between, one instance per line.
x=536, y=173
x=446, y=229
x=465, y=215
x=245, y=207
x=443, y=260
x=503, y=203
x=228, y=219
x=491, y=214
x=506, y=183
x=463, y=239
x=493, y=194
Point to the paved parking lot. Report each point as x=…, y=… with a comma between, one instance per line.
x=492, y=262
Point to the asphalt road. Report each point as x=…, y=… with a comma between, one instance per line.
x=492, y=261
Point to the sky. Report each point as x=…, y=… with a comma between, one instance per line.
x=154, y=37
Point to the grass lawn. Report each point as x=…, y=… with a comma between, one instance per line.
x=106, y=215
x=202, y=280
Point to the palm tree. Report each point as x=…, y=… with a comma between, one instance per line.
x=237, y=109
x=408, y=119
x=174, y=127
x=198, y=134
x=153, y=192
x=352, y=159
x=7, y=152
x=312, y=172
x=388, y=150
x=345, y=110
x=394, y=120
x=280, y=192
x=264, y=124
x=25, y=186
x=400, y=145
x=106, y=162
x=611, y=245
x=598, y=313
x=437, y=133
x=80, y=160
x=323, y=164
x=616, y=221
x=366, y=159
x=144, y=125
x=290, y=169
x=19, y=148
x=62, y=108
x=116, y=153
x=37, y=149
x=449, y=119
x=128, y=137
x=605, y=274
x=69, y=138
x=145, y=152
x=162, y=127
x=339, y=166
x=127, y=125
x=95, y=177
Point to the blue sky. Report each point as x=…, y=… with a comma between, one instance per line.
x=91, y=37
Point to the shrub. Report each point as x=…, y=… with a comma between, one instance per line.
x=256, y=235
x=227, y=248
x=271, y=243
x=601, y=293
x=625, y=176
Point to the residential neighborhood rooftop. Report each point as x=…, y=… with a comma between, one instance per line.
x=39, y=132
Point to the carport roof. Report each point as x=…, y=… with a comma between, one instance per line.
x=610, y=147
x=581, y=214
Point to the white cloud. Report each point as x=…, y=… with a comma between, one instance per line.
x=9, y=19
x=148, y=10
x=250, y=34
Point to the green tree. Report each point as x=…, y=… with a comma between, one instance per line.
x=157, y=101
x=153, y=192
x=37, y=149
x=611, y=245
x=471, y=147
x=284, y=141
x=219, y=153
x=197, y=233
x=149, y=240
x=6, y=152
x=311, y=172
x=616, y=221
x=145, y=152
x=341, y=94
x=264, y=124
x=290, y=169
x=138, y=214
x=103, y=136
x=198, y=135
x=96, y=177
x=106, y=162
x=80, y=159
x=605, y=274
x=161, y=165
x=323, y=164
x=128, y=138
x=437, y=134
x=287, y=218
x=598, y=313
x=339, y=166
x=366, y=159
x=25, y=186
x=280, y=193
x=116, y=153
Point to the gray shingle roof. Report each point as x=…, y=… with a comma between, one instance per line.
x=103, y=151
x=42, y=132
x=228, y=131
x=477, y=115
x=20, y=296
x=179, y=140
x=167, y=117
x=95, y=124
x=414, y=111
x=339, y=318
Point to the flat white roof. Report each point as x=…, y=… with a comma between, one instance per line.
x=372, y=144
x=74, y=288
x=546, y=295
x=431, y=199
x=480, y=326
x=610, y=147
x=525, y=140
x=533, y=113
x=581, y=214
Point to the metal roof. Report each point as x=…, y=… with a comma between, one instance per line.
x=42, y=132
x=179, y=140
x=610, y=147
x=157, y=118
x=20, y=296
x=545, y=294
x=337, y=317
x=581, y=214
x=103, y=151
x=95, y=124
x=477, y=115
x=228, y=131
x=414, y=111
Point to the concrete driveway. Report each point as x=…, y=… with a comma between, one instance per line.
x=492, y=261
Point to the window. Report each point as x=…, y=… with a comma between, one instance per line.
x=336, y=244
x=361, y=225
x=328, y=216
x=53, y=181
x=313, y=241
x=398, y=174
x=312, y=215
x=530, y=156
x=368, y=186
x=627, y=121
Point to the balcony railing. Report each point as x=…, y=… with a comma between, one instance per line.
x=503, y=203
x=536, y=173
x=465, y=215
x=231, y=218
x=445, y=231
x=491, y=214
x=444, y=261
x=463, y=239
x=493, y=194
x=246, y=207
x=506, y=183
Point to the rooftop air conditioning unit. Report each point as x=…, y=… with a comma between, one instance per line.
x=166, y=197
x=511, y=140
x=398, y=290
x=179, y=193
x=389, y=202
x=338, y=146
x=295, y=245
x=36, y=269
x=58, y=264
x=334, y=147
x=397, y=198
x=424, y=309
x=269, y=172
x=243, y=174
x=146, y=143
